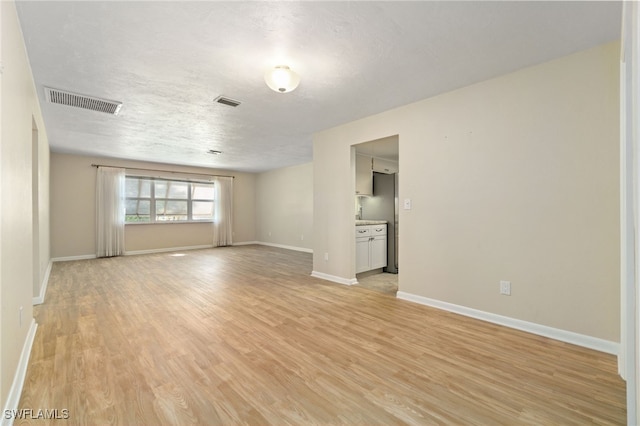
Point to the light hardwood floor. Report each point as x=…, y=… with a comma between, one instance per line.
x=243, y=335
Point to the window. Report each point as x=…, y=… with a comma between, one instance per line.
x=154, y=200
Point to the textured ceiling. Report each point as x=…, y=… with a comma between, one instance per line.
x=166, y=61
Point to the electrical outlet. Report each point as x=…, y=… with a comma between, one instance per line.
x=326, y=257
x=505, y=288
x=302, y=237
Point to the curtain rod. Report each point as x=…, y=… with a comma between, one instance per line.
x=164, y=171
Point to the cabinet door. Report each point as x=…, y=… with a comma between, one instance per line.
x=364, y=175
x=362, y=254
x=378, y=247
x=385, y=166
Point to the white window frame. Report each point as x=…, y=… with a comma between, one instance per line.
x=152, y=200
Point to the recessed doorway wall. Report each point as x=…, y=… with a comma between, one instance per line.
x=35, y=204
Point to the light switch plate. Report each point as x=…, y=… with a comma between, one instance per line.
x=407, y=203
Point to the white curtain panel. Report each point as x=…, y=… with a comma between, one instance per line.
x=110, y=211
x=223, y=212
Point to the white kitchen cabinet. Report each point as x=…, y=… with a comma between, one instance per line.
x=364, y=175
x=362, y=254
x=385, y=166
x=371, y=247
x=378, y=252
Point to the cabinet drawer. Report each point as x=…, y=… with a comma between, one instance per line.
x=378, y=230
x=363, y=231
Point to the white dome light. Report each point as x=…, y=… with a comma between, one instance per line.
x=282, y=79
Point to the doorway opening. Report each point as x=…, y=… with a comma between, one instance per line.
x=376, y=216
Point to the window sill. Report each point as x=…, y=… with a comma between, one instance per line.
x=170, y=222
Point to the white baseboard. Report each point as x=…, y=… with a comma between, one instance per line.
x=303, y=249
x=530, y=327
x=13, y=399
x=39, y=299
x=245, y=243
x=165, y=250
x=68, y=258
x=334, y=278
x=263, y=243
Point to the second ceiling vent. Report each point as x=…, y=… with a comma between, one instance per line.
x=62, y=97
x=226, y=101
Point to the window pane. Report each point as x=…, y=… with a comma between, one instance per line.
x=161, y=188
x=171, y=210
x=137, y=187
x=202, y=210
x=178, y=190
x=138, y=206
x=202, y=191
x=137, y=211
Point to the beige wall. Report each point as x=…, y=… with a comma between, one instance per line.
x=19, y=109
x=515, y=178
x=141, y=237
x=284, y=203
x=73, y=209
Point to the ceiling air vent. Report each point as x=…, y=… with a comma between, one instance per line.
x=227, y=101
x=61, y=97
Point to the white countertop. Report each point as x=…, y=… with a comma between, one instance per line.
x=370, y=222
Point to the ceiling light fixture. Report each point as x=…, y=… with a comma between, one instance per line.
x=282, y=79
